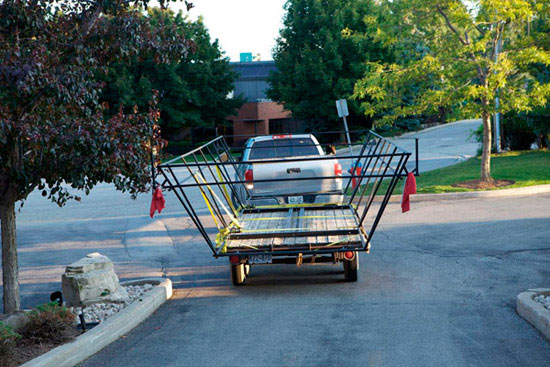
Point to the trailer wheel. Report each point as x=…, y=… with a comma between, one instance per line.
x=238, y=275
x=350, y=268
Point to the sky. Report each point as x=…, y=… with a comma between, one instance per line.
x=240, y=25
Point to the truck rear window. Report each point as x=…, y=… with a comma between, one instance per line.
x=283, y=148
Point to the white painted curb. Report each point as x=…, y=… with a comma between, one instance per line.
x=91, y=342
x=519, y=191
x=534, y=311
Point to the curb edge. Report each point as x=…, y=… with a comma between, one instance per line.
x=91, y=342
x=533, y=311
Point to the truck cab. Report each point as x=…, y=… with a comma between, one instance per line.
x=279, y=172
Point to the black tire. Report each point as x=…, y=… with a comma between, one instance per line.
x=238, y=274
x=350, y=268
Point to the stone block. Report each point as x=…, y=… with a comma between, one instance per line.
x=92, y=280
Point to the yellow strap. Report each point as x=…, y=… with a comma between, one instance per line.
x=300, y=217
x=293, y=206
x=337, y=242
x=233, y=219
x=226, y=193
x=283, y=229
x=210, y=208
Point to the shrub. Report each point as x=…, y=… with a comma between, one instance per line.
x=519, y=133
x=8, y=338
x=49, y=323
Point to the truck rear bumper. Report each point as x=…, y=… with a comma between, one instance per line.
x=324, y=198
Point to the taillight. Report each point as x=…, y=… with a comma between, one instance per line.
x=349, y=255
x=249, y=177
x=337, y=169
x=235, y=259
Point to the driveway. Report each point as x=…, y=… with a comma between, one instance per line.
x=439, y=146
x=438, y=288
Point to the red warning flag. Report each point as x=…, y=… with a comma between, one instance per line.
x=409, y=189
x=157, y=202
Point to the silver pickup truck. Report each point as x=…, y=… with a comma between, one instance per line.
x=279, y=148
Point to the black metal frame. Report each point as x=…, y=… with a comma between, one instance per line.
x=208, y=165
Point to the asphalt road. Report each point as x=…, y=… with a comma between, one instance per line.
x=439, y=146
x=437, y=289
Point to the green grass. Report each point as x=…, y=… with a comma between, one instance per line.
x=525, y=168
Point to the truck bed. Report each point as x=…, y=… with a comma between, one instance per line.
x=303, y=228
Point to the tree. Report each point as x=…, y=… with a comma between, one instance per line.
x=192, y=92
x=461, y=68
x=54, y=132
x=319, y=58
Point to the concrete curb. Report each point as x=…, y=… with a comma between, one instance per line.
x=519, y=191
x=533, y=311
x=91, y=342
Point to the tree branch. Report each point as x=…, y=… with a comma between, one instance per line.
x=450, y=26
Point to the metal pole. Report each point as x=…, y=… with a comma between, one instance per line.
x=497, y=104
x=347, y=135
x=417, y=172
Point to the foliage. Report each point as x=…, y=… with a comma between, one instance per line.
x=320, y=54
x=8, y=338
x=519, y=132
x=193, y=92
x=54, y=130
x=49, y=323
x=458, y=68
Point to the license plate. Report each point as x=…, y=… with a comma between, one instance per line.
x=295, y=199
x=260, y=259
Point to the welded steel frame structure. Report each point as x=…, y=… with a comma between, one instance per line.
x=210, y=166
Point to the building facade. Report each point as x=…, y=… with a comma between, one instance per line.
x=258, y=115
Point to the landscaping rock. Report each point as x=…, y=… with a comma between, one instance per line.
x=101, y=311
x=544, y=300
x=92, y=280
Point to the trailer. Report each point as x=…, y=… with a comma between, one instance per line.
x=290, y=233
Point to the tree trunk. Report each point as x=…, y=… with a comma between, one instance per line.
x=486, y=154
x=10, y=271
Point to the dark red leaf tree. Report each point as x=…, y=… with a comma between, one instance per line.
x=54, y=133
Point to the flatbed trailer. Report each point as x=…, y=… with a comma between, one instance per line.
x=290, y=233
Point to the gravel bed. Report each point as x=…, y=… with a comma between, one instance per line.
x=545, y=300
x=101, y=311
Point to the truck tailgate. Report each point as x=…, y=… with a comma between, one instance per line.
x=293, y=170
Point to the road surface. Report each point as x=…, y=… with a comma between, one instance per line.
x=438, y=289
x=439, y=146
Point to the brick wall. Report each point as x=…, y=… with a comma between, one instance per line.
x=253, y=118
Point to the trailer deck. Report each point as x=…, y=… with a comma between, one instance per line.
x=296, y=228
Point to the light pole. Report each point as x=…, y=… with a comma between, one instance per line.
x=497, y=102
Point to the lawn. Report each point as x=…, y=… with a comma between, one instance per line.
x=525, y=168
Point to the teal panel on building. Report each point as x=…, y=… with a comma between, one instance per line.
x=246, y=56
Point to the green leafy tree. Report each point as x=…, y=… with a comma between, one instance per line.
x=192, y=92
x=54, y=130
x=460, y=69
x=320, y=54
